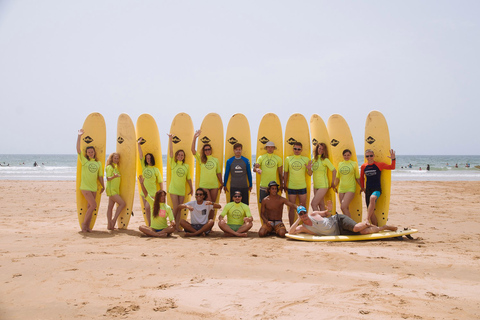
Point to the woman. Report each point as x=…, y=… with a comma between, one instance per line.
x=113, y=190
x=348, y=175
x=152, y=177
x=91, y=172
x=210, y=169
x=158, y=226
x=179, y=175
x=320, y=178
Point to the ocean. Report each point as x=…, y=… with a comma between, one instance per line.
x=63, y=167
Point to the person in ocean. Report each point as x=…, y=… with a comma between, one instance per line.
x=180, y=175
x=320, y=165
x=92, y=172
x=152, y=176
x=371, y=172
x=113, y=190
x=348, y=175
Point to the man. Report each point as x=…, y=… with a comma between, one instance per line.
x=295, y=168
x=267, y=166
x=201, y=214
x=271, y=212
x=322, y=223
x=239, y=218
x=239, y=169
x=372, y=170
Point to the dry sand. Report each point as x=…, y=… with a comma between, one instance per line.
x=49, y=270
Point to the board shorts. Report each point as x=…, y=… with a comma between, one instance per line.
x=371, y=192
x=297, y=191
x=234, y=227
x=345, y=225
x=198, y=226
x=277, y=226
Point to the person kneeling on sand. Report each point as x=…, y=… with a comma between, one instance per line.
x=271, y=212
x=201, y=214
x=239, y=218
x=322, y=223
x=158, y=220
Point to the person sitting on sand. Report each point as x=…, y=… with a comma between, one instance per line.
x=158, y=220
x=201, y=214
x=322, y=223
x=271, y=212
x=239, y=218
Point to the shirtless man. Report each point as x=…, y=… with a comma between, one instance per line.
x=272, y=211
x=322, y=223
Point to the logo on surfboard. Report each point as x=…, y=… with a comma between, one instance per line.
x=176, y=140
x=88, y=139
x=205, y=139
x=263, y=140
x=370, y=140
x=291, y=141
x=120, y=140
x=334, y=142
x=232, y=140
x=142, y=142
x=314, y=142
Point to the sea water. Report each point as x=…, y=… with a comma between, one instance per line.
x=64, y=167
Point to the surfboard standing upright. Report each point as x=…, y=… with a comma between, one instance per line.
x=238, y=130
x=95, y=135
x=377, y=138
x=182, y=129
x=148, y=130
x=127, y=148
x=270, y=129
x=341, y=139
x=319, y=134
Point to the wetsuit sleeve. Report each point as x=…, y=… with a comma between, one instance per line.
x=249, y=171
x=382, y=165
x=225, y=210
x=362, y=175
x=247, y=211
x=159, y=176
x=189, y=176
x=227, y=171
x=329, y=164
x=287, y=162
x=170, y=214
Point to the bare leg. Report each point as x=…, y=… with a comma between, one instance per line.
x=345, y=199
x=152, y=233
x=191, y=232
x=92, y=205
x=291, y=211
x=212, y=196
x=148, y=211
x=302, y=199
x=265, y=230
x=318, y=202
x=176, y=200
x=120, y=206
x=228, y=231
x=371, y=210
x=111, y=203
x=367, y=228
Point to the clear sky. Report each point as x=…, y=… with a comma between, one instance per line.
x=415, y=61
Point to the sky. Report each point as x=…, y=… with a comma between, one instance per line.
x=415, y=61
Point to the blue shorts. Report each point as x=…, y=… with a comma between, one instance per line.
x=297, y=191
x=376, y=194
x=157, y=230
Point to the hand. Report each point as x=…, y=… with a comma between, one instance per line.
x=309, y=165
x=141, y=178
x=81, y=132
x=170, y=135
x=140, y=140
x=209, y=203
x=191, y=193
x=225, y=189
x=197, y=133
x=190, y=208
x=259, y=171
x=392, y=154
x=101, y=190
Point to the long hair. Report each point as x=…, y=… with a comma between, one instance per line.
x=325, y=151
x=184, y=155
x=152, y=159
x=156, y=203
x=203, y=157
x=94, y=157
x=110, y=158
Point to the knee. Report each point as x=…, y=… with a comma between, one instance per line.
x=373, y=199
x=281, y=233
x=248, y=224
x=262, y=232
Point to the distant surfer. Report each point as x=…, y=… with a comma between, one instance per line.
x=152, y=176
x=268, y=166
x=239, y=169
x=322, y=223
x=320, y=166
x=239, y=218
x=35, y=164
x=348, y=175
x=372, y=171
x=201, y=214
x=271, y=212
x=180, y=175
x=295, y=168
x=428, y=167
x=113, y=189
x=91, y=172
x=158, y=226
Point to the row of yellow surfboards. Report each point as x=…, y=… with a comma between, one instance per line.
x=336, y=135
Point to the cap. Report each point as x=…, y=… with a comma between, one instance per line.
x=301, y=209
x=273, y=183
x=270, y=144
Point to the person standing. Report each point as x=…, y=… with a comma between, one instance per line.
x=241, y=175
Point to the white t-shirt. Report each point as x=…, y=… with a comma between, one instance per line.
x=200, y=212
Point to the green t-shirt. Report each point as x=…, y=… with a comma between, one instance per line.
x=296, y=167
x=235, y=212
x=91, y=170
x=269, y=164
x=180, y=173
x=347, y=173
x=208, y=172
x=160, y=222
x=152, y=177
x=319, y=168
x=113, y=186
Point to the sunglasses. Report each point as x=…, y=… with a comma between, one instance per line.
x=207, y=149
x=369, y=156
x=199, y=194
x=237, y=196
x=302, y=213
x=297, y=149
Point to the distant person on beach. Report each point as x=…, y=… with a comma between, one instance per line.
x=467, y=165
x=179, y=177
x=322, y=223
x=35, y=164
x=271, y=212
x=268, y=166
x=151, y=174
x=348, y=176
x=239, y=169
x=428, y=167
x=320, y=166
x=456, y=165
x=210, y=169
x=372, y=171
x=201, y=214
x=158, y=226
x=295, y=168
x=239, y=218
x=113, y=190
x=91, y=172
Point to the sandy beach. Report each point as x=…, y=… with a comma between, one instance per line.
x=49, y=270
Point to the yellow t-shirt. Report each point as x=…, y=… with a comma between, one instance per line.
x=152, y=177
x=178, y=177
x=269, y=164
x=320, y=177
x=235, y=212
x=296, y=167
x=91, y=170
x=208, y=172
x=347, y=173
x=160, y=222
x=113, y=186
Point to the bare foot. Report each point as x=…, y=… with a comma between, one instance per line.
x=190, y=234
x=243, y=234
x=390, y=228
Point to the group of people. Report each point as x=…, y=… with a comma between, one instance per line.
x=276, y=176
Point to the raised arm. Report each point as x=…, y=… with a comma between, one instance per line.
x=170, y=144
x=195, y=136
x=140, y=152
x=80, y=133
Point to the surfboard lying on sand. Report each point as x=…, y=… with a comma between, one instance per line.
x=372, y=236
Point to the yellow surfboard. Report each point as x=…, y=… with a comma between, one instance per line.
x=319, y=134
x=377, y=138
x=238, y=130
x=297, y=130
x=127, y=148
x=212, y=133
x=182, y=130
x=95, y=135
x=148, y=130
x=372, y=236
x=341, y=139
x=270, y=129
